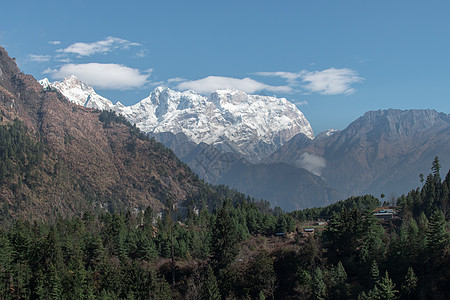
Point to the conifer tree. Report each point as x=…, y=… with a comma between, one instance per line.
x=375, y=273
x=225, y=238
x=210, y=289
x=339, y=282
x=386, y=288
x=409, y=284
x=54, y=284
x=437, y=236
x=318, y=285
x=436, y=168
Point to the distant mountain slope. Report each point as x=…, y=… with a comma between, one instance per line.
x=381, y=152
x=86, y=159
x=283, y=185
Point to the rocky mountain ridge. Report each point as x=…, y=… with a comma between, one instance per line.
x=381, y=152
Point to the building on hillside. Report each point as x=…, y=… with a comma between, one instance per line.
x=387, y=214
x=308, y=231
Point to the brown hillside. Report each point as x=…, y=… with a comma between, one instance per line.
x=87, y=164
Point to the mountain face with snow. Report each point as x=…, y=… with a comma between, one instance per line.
x=79, y=93
x=251, y=125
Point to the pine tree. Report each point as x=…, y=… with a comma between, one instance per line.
x=436, y=168
x=225, y=238
x=54, y=284
x=318, y=285
x=437, y=236
x=386, y=288
x=409, y=284
x=339, y=282
x=375, y=273
x=210, y=289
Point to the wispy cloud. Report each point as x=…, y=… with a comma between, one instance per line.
x=38, y=58
x=300, y=102
x=176, y=80
x=331, y=81
x=104, y=76
x=64, y=60
x=212, y=83
x=142, y=53
x=327, y=82
x=54, y=42
x=289, y=76
x=99, y=47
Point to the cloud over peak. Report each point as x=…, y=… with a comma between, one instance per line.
x=213, y=83
x=103, y=76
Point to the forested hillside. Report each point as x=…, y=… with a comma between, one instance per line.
x=243, y=250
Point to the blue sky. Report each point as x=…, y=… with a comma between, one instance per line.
x=334, y=59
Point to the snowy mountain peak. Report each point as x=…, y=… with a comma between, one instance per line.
x=79, y=93
x=45, y=83
x=252, y=125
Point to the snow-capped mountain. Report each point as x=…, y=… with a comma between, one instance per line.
x=79, y=93
x=251, y=125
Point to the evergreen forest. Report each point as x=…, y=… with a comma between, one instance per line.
x=242, y=249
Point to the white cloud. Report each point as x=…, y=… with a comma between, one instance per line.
x=64, y=60
x=104, y=76
x=212, y=83
x=38, y=58
x=327, y=82
x=330, y=81
x=289, y=76
x=311, y=162
x=54, y=42
x=104, y=46
x=176, y=80
x=299, y=102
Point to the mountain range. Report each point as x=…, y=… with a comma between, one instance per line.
x=220, y=134
x=264, y=146
x=233, y=121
